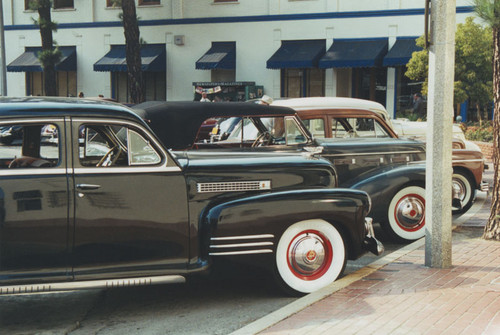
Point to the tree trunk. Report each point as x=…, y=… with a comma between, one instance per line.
x=479, y=114
x=492, y=229
x=49, y=67
x=133, y=51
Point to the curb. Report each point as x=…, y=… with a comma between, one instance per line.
x=304, y=302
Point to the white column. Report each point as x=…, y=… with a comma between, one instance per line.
x=3, y=67
x=276, y=89
x=330, y=74
x=439, y=121
x=391, y=76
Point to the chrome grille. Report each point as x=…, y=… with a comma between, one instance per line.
x=234, y=186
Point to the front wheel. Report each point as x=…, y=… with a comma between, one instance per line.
x=310, y=255
x=406, y=214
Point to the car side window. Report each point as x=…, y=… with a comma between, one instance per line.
x=114, y=145
x=293, y=133
x=29, y=146
x=368, y=127
x=316, y=127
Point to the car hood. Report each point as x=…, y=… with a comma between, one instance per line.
x=277, y=171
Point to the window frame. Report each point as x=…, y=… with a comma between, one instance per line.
x=163, y=155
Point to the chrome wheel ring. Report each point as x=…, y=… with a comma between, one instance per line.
x=309, y=255
x=410, y=212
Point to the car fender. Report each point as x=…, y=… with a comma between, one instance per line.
x=383, y=184
x=264, y=217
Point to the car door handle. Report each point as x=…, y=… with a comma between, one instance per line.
x=87, y=187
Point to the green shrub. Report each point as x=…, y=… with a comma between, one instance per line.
x=476, y=132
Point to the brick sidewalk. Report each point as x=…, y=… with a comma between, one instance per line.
x=405, y=297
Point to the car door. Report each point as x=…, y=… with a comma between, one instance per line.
x=34, y=202
x=131, y=215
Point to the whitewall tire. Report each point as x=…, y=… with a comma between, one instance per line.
x=406, y=213
x=310, y=255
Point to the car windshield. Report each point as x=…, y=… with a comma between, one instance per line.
x=257, y=131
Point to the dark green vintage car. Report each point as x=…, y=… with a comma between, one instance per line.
x=390, y=169
x=105, y=203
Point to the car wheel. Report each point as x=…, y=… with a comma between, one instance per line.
x=463, y=189
x=310, y=255
x=406, y=214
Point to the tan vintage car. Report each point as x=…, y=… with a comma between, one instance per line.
x=329, y=117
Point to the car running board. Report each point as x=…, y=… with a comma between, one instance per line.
x=92, y=284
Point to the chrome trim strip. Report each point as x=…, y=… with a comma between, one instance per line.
x=29, y=120
x=69, y=286
x=373, y=153
x=235, y=253
x=135, y=169
x=242, y=245
x=33, y=171
x=247, y=237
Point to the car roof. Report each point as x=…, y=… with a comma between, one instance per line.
x=55, y=106
x=333, y=103
x=177, y=123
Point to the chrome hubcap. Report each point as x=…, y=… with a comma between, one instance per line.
x=307, y=254
x=410, y=212
x=459, y=189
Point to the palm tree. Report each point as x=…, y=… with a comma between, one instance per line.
x=489, y=11
x=49, y=56
x=133, y=51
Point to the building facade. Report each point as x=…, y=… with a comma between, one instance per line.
x=234, y=50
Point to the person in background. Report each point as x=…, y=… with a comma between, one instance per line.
x=418, y=105
x=266, y=100
x=80, y=95
x=204, y=97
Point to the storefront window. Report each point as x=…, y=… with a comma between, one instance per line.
x=405, y=89
x=66, y=83
x=63, y=4
x=223, y=75
x=148, y=2
x=155, y=86
x=298, y=83
x=370, y=83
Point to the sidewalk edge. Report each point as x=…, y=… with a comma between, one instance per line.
x=299, y=304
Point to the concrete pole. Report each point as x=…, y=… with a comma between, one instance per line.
x=440, y=119
x=3, y=67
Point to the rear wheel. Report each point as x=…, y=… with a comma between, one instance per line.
x=463, y=189
x=406, y=214
x=310, y=255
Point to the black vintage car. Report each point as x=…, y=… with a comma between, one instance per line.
x=390, y=170
x=106, y=203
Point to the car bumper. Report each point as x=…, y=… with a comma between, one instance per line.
x=370, y=243
x=484, y=186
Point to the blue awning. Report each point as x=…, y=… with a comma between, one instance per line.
x=297, y=54
x=153, y=59
x=355, y=53
x=222, y=55
x=28, y=61
x=401, y=51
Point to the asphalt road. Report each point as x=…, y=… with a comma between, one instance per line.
x=232, y=296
